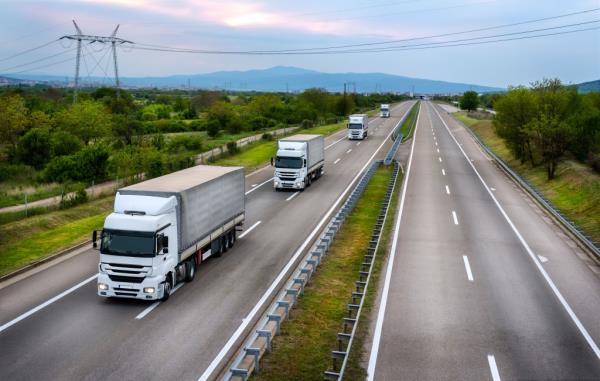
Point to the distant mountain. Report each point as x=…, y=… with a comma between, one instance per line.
x=587, y=87
x=285, y=78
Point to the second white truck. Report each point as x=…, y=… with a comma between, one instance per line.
x=384, y=110
x=358, y=126
x=299, y=161
x=162, y=228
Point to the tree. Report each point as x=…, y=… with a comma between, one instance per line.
x=40, y=119
x=206, y=99
x=514, y=111
x=551, y=136
x=266, y=105
x=222, y=112
x=34, y=147
x=63, y=143
x=213, y=127
x=125, y=127
x=180, y=104
x=469, y=101
x=13, y=118
x=87, y=120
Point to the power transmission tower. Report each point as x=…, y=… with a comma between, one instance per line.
x=113, y=40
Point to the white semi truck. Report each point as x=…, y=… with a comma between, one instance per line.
x=358, y=126
x=299, y=161
x=162, y=228
x=384, y=110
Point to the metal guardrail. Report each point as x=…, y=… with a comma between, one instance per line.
x=346, y=338
x=584, y=239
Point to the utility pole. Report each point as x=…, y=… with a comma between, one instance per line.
x=80, y=37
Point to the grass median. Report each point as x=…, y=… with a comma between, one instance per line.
x=303, y=351
x=575, y=191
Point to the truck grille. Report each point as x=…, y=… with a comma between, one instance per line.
x=287, y=176
x=118, y=272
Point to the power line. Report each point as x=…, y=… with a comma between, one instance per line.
x=37, y=60
x=363, y=50
x=28, y=50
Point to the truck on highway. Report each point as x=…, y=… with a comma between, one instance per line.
x=358, y=126
x=384, y=110
x=161, y=229
x=299, y=161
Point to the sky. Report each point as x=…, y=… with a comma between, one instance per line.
x=276, y=25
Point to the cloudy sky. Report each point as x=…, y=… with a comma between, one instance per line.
x=275, y=25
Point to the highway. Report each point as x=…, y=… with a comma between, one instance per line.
x=480, y=283
x=53, y=326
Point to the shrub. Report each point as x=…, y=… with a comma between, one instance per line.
x=267, y=136
x=158, y=141
x=89, y=164
x=307, y=123
x=213, y=128
x=11, y=171
x=64, y=143
x=185, y=142
x=594, y=160
x=74, y=199
x=232, y=148
x=197, y=125
x=34, y=147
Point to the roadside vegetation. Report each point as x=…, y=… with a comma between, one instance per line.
x=409, y=123
x=50, y=146
x=575, y=189
x=303, y=350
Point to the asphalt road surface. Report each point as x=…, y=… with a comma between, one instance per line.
x=481, y=284
x=53, y=326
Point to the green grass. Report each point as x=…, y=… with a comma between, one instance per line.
x=409, y=122
x=303, y=351
x=26, y=241
x=575, y=191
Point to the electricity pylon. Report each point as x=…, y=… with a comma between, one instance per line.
x=113, y=40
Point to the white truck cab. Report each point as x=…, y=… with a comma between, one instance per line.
x=384, y=110
x=358, y=126
x=299, y=161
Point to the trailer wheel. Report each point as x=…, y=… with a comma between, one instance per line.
x=190, y=269
x=308, y=180
x=166, y=288
x=231, y=237
x=224, y=244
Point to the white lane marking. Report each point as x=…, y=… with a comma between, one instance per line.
x=447, y=189
x=493, y=368
x=530, y=252
x=443, y=172
x=468, y=268
x=259, y=185
x=350, y=150
x=440, y=159
x=454, y=217
x=150, y=308
x=249, y=229
x=388, y=272
x=438, y=150
x=46, y=303
x=358, y=143
x=436, y=144
x=292, y=196
x=336, y=142
x=543, y=259
x=337, y=161
x=493, y=189
x=253, y=185
x=265, y=297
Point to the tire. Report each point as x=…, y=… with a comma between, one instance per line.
x=231, y=238
x=309, y=180
x=167, y=289
x=190, y=269
x=224, y=244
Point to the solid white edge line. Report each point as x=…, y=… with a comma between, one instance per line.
x=468, y=268
x=493, y=368
x=292, y=196
x=388, y=273
x=46, y=303
x=447, y=189
x=249, y=229
x=532, y=255
x=454, y=217
x=337, y=160
x=263, y=299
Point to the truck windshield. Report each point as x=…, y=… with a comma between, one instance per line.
x=288, y=162
x=127, y=243
x=355, y=126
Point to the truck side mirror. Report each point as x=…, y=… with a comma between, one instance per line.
x=94, y=239
x=165, y=244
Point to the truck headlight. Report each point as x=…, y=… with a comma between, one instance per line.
x=149, y=290
x=102, y=287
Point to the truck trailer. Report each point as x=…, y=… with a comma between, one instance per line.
x=384, y=110
x=358, y=126
x=163, y=228
x=299, y=161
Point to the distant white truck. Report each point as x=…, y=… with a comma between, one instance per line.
x=358, y=126
x=162, y=228
x=384, y=110
x=299, y=161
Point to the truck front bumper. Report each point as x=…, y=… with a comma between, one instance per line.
x=288, y=184
x=151, y=288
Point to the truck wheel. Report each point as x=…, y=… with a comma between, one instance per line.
x=308, y=180
x=231, y=236
x=190, y=269
x=224, y=244
x=167, y=289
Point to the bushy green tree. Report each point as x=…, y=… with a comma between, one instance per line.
x=469, y=101
x=34, y=148
x=13, y=118
x=88, y=120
